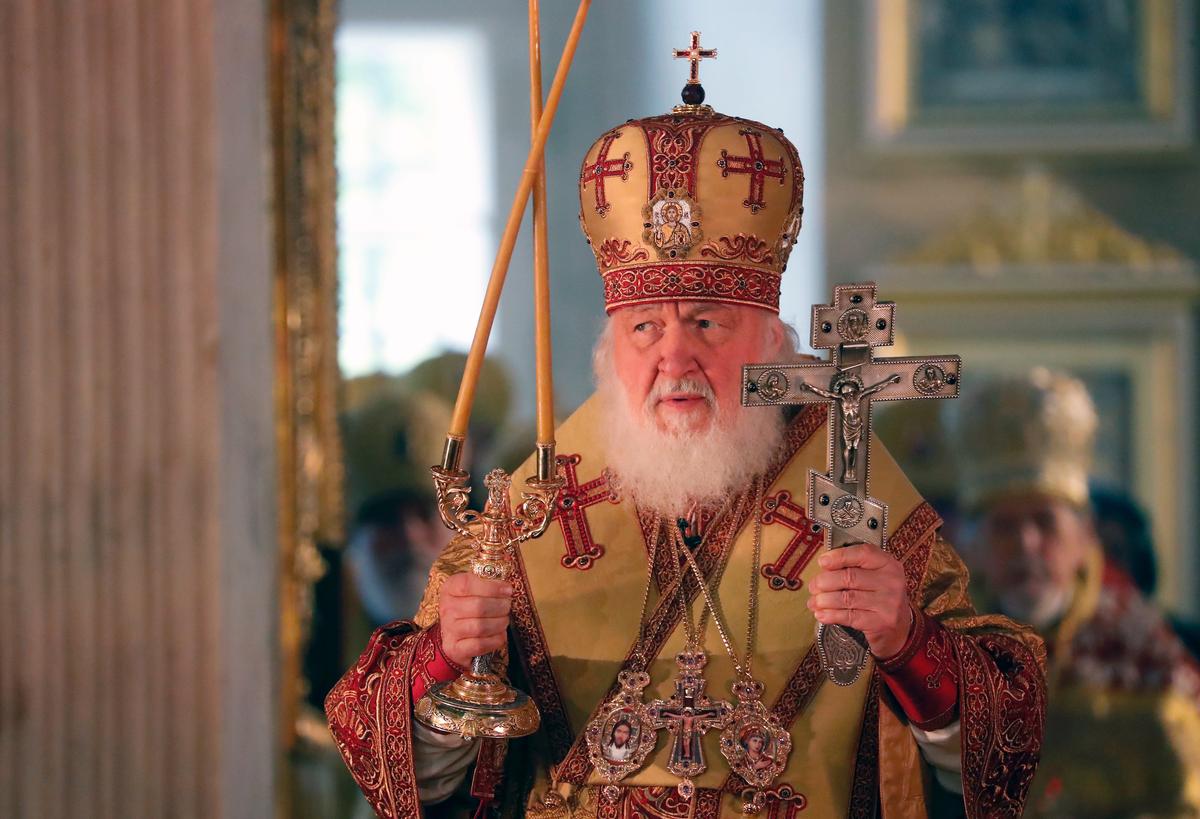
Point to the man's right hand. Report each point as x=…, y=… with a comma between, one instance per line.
x=473, y=613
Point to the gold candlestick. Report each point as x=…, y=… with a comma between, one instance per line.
x=480, y=703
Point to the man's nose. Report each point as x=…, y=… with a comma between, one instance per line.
x=1030, y=538
x=678, y=352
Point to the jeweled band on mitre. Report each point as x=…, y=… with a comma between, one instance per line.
x=685, y=281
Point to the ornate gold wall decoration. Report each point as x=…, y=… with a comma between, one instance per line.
x=1040, y=276
x=1045, y=223
x=305, y=322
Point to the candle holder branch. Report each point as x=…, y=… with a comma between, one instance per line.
x=480, y=703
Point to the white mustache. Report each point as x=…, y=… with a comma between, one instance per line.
x=666, y=386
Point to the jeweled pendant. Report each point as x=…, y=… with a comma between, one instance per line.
x=622, y=734
x=753, y=801
x=552, y=805
x=754, y=743
x=689, y=714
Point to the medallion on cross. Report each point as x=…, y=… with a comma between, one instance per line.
x=839, y=498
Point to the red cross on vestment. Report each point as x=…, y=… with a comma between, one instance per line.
x=756, y=165
x=784, y=803
x=604, y=168
x=785, y=572
x=582, y=550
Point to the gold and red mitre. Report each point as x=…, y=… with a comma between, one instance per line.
x=1028, y=433
x=692, y=205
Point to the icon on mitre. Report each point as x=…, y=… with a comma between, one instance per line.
x=672, y=224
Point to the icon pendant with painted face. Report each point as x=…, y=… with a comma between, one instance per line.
x=620, y=736
x=755, y=744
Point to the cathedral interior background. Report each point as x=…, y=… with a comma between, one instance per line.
x=243, y=246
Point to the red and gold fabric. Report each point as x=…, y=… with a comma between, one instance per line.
x=923, y=676
x=431, y=665
x=1123, y=726
x=574, y=624
x=691, y=205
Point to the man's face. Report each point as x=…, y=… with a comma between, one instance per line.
x=621, y=735
x=685, y=358
x=1034, y=547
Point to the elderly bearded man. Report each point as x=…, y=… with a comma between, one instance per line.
x=677, y=495
x=1123, y=725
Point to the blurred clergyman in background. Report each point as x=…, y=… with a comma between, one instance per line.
x=394, y=534
x=1123, y=726
x=392, y=430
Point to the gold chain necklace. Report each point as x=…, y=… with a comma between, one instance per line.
x=689, y=713
x=621, y=734
x=754, y=742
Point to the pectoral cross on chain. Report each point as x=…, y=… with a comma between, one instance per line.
x=839, y=500
x=689, y=714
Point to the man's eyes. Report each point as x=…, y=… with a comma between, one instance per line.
x=703, y=324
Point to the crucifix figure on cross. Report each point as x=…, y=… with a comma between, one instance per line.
x=689, y=714
x=852, y=326
x=849, y=393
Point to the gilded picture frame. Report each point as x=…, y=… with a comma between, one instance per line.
x=1032, y=76
x=307, y=379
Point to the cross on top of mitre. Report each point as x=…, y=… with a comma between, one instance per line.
x=693, y=92
x=694, y=54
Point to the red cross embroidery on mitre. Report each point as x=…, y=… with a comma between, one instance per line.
x=785, y=572
x=604, y=168
x=582, y=550
x=755, y=165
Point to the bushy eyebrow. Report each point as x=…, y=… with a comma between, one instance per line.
x=702, y=309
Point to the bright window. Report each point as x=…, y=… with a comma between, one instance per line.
x=414, y=159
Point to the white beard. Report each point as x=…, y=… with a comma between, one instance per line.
x=675, y=470
x=1041, y=609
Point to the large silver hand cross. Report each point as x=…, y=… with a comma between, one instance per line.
x=839, y=500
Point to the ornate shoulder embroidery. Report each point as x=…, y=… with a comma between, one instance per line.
x=570, y=512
